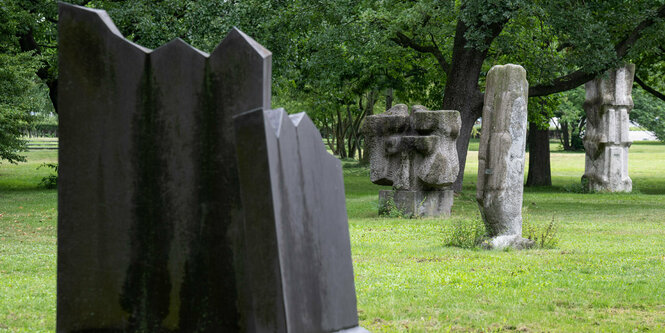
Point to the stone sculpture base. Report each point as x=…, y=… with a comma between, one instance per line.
x=608, y=172
x=416, y=203
x=517, y=242
x=356, y=329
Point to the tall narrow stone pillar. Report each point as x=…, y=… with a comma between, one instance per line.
x=606, y=142
x=501, y=155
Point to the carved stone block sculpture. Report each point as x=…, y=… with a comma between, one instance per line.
x=156, y=230
x=606, y=140
x=501, y=155
x=414, y=152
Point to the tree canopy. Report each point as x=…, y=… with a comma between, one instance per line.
x=339, y=60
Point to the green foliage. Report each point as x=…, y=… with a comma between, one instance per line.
x=572, y=117
x=545, y=235
x=388, y=208
x=466, y=233
x=50, y=181
x=17, y=90
x=649, y=112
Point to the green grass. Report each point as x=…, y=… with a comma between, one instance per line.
x=607, y=273
x=27, y=246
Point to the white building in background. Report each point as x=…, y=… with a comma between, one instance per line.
x=638, y=135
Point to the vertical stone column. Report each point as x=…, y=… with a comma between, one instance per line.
x=606, y=141
x=501, y=155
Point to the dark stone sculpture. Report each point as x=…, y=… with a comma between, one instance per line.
x=293, y=196
x=415, y=154
x=151, y=225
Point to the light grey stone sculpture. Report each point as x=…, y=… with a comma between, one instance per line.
x=501, y=155
x=415, y=154
x=606, y=140
x=292, y=192
x=151, y=227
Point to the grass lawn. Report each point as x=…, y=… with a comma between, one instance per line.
x=606, y=274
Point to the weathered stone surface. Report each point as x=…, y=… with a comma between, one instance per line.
x=149, y=203
x=415, y=154
x=606, y=141
x=296, y=229
x=501, y=154
x=516, y=242
x=416, y=203
x=158, y=231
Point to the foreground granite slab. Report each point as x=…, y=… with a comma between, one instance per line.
x=296, y=223
x=152, y=232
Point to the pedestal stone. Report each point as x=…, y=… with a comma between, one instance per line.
x=414, y=152
x=606, y=141
x=416, y=203
x=501, y=154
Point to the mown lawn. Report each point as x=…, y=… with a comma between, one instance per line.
x=606, y=274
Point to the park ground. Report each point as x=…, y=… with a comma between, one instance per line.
x=606, y=274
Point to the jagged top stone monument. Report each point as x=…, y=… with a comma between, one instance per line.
x=501, y=155
x=414, y=152
x=283, y=165
x=606, y=140
x=153, y=232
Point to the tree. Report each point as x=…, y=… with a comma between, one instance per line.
x=571, y=119
x=20, y=93
x=430, y=52
x=589, y=37
x=649, y=112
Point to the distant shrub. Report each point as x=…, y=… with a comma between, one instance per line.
x=575, y=188
x=467, y=234
x=50, y=181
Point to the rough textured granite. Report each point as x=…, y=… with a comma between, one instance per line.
x=606, y=140
x=414, y=152
x=501, y=153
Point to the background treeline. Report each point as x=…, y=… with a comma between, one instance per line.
x=342, y=60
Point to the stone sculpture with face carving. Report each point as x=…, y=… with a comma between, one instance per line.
x=414, y=152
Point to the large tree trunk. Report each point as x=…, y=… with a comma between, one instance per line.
x=539, y=156
x=565, y=136
x=372, y=98
x=27, y=43
x=389, y=98
x=462, y=92
x=339, y=136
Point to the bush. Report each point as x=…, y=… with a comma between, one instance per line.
x=545, y=236
x=467, y=234
x=50, y=181
x=470, y=234
x=388, y=208
x=44, y=129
